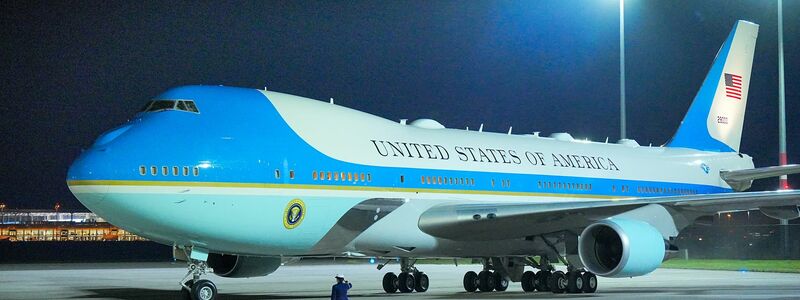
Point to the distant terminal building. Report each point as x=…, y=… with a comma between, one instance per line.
x=48, y=225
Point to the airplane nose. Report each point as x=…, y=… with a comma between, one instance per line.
x=83, y=171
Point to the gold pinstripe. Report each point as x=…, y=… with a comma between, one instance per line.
x=323, y=187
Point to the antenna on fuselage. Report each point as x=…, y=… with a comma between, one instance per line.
x=606, y=140
x=480, y=129
x=331, y=100
x=536, y=133
x=509, y=129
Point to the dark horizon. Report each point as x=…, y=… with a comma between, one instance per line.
x=76, y=69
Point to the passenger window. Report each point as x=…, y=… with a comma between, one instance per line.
x=175, y=171
x=142, y=170
x=164, y=171
x=185, y=171
x=314, y=175
x=369, y=177
x=402, y=179
x=349, y=176
x=291, y=174
x=336, y=176
x=362, y=176
x=277, y=174
x=153, y=170
x=196, y=171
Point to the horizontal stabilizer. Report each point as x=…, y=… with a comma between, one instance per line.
x=740, y=179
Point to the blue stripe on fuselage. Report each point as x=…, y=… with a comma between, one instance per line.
x=240, y=137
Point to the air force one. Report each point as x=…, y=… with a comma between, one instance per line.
x=238, y=180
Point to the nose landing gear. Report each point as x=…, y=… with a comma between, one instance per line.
x=194, y=288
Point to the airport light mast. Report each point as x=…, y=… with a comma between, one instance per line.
x=622, y=130
x=782, y=158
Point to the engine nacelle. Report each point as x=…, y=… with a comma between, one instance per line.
x=621, y=247
x=237, y=266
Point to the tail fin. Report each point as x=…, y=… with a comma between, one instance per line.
x=715, y=118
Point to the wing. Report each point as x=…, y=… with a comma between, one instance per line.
x=516, y=220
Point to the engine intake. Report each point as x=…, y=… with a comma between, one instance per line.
x=620, y=247
x=236, y=266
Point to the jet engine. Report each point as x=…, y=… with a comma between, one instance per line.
x=620, y=247
x=237, y=266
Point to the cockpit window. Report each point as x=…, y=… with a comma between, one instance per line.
x=159, y=105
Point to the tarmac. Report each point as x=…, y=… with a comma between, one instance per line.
x=309, y=281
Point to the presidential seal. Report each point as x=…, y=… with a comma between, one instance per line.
x=294, y=213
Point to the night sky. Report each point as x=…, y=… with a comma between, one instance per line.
x=71, y=70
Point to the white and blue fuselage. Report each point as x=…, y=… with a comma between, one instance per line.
x=224, y=178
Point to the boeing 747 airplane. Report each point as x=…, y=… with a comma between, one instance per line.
x=238, y=180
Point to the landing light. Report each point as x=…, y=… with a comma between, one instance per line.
x=204, y=165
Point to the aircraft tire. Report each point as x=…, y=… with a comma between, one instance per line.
x=204, y=289
x=405, y=282
x=542, y=277
x=528, y=281
x=557, y=282
x=422, y=282
x=471, y=282
x=500, y=282
x=390, y=283
x=485, y=281
x=574, y=282
x=589, y=282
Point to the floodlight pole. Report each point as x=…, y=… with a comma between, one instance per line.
x=782, y=159
x=622, y=130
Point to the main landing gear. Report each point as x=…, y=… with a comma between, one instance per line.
x=194, y=288
x=410, y=279
x=547, y=279
x=486, y=281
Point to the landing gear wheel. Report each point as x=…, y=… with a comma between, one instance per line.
x=405, y=282
x=470, y=281
x=500, y=282
x=542, y=277
x=574, y=282
x=528, y=281
x=390, y=283
x=485, y=281
x=557, y=282
x=589, y=282
x=422, y=283
x=204, y=289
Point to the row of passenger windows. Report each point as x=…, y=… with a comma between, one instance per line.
x=445, y=180
x=565, y=185
x=167, y=171
x=661, y=190
x=503, y=183
x=343, y=176
x=438, y=180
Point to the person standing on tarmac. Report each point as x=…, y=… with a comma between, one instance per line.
x=339, y=290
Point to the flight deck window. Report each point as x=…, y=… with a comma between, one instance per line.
x=159, y=105
x=191, y=107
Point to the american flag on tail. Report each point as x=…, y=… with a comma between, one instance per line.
x=733, y=86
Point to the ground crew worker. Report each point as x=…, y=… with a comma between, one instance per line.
x=339, y=290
